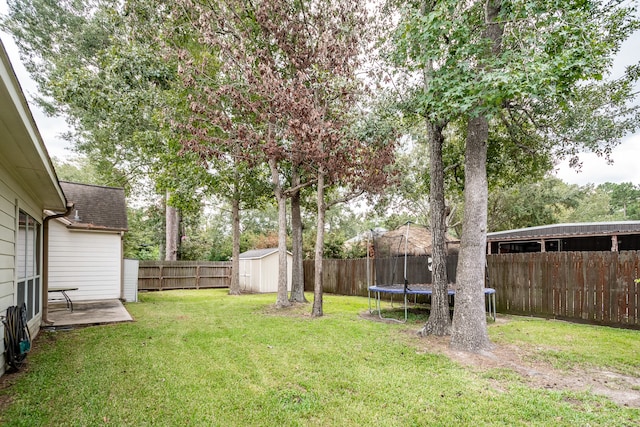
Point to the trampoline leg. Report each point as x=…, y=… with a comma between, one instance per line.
x=491, y=305
x=493, y=297
x=487, y=303
x=379, y=308
x=405, y=307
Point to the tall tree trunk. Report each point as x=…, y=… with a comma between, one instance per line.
x=281, y=299
x=439, y=322
x=469, y=327
x=297, y=276
x=234, y=286
x=319, y=252
x=171, y=231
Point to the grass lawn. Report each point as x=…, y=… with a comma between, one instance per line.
x=205, y=358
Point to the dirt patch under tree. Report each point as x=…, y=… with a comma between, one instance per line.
x=622, y=389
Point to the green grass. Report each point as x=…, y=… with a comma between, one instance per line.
x=205, y=358
x=566, y=345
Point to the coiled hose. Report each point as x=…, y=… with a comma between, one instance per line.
x=17, y=339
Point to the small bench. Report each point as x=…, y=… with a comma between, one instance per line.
x=66, y=298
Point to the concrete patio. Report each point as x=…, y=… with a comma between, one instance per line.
x=87, y=313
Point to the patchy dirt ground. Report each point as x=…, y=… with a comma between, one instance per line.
x=622, y=389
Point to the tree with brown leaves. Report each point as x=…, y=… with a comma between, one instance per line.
x=284, y=92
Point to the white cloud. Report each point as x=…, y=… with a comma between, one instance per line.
x=625, y=167
x=626, y=157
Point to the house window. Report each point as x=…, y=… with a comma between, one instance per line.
x=28, y=264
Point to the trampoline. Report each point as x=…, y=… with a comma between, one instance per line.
x=489, y=293
x=402, y=266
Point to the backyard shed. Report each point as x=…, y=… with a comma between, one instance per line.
x=259, y=270
x=85, y=246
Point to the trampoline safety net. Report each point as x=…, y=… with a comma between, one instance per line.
x=403, y=254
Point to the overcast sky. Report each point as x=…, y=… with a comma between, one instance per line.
x=626, y=157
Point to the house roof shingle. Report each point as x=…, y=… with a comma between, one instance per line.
x=95, y=207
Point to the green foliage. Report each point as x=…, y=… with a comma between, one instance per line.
x=78, y=169
x=145, y=235
x=195, y=247
x=543, y=91
x=592, y=205
x=408, y=196
x=552, y=201
x=546, y=49
x=624, y=199
x=355, y=251
x=531, y=204
x=99, y=64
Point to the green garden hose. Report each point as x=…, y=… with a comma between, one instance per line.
x=17, y=339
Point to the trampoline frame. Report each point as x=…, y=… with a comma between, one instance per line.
x=489, y=293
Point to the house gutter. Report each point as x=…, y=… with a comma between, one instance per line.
x=45, y=261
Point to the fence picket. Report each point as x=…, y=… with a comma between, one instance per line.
x=164, y=275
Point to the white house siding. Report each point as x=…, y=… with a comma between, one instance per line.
x=88, y=260
x=7, y=247
x=10, y=195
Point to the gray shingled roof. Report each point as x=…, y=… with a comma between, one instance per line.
x=99, y=208
x=568, y=230
x=258, y=253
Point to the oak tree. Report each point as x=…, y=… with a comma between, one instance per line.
x=496, y=56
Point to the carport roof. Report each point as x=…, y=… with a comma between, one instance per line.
x=567, y=230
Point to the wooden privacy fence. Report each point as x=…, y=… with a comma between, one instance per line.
x=339, y=276
x=165, y=275
x=596, y=287
x=349, y=276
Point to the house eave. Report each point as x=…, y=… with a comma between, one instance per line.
x=91, y=227
x=24, y=154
